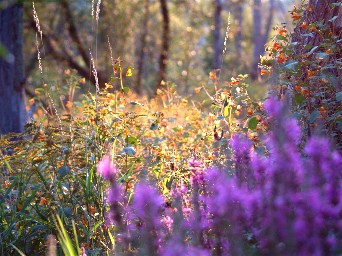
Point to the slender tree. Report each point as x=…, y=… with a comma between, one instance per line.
x=238, y=21
x=217, y=34
x=260, y=35
x=143, y=48
x=165, y=42
x=12, y=104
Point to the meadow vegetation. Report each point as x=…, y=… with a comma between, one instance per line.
x=213, y=173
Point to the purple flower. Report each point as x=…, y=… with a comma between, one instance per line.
x=241, y=147
x=106, y=168
x=197, y=170
x=114, y=194
x=317, y=147
x=168, y=221
x=178, y=247
x=273, y=107
x=147, y=201
x=193, y=162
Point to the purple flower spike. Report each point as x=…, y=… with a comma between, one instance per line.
x=273, y=107
x=106, y=168
x=147, y=201
x=114, y=194
x=193, y=162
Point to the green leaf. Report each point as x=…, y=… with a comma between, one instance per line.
x=3, y=51
x=312, y=50
x=89, y=182
x=339, y=126
x=309, y=35
x=308, y=46
x=322, y=55
x=18, y=250
x=125, y=90
x=299, y=99
x=280, y=37
x=132, y=140
x=333, y=19
x=111, y=237
x=64, y=239
x=169, y=183
x=291, y=65
x=339, y=96
x=313, y=116
x=186, y=135
x=113, y=79
x=154, y=126
x=252, y=123
x=64, y=171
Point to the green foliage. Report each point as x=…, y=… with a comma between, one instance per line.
x=51, y=169
x=309, y=75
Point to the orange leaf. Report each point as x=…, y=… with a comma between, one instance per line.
x=198, y=89
x=283, y=32
x=212, y=75
x=295, y=16
x=43, y=200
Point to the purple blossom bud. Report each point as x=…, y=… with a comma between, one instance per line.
x=106, y=168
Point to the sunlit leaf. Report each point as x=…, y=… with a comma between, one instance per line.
x=129, y=71
x=226, y=111
x=252, y=123
x=131, y=140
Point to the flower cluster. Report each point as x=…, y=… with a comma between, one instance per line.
x=285, y=203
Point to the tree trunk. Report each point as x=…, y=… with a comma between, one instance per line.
x=217, y=35
x=260, y=37
x=165, y=43
x=238, y=23
x=142, y=50
x=12, y=97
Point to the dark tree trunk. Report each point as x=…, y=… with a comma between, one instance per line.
x=259, y=36
x=217, y=34
x=238, y=23
x=12, y=97
x=165, y=42
x=142, y=50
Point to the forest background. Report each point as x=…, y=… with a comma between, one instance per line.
x=177, y=41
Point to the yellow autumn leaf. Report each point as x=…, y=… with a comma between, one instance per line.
x=226, y=111
x=129, y=71
x=184, y=101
